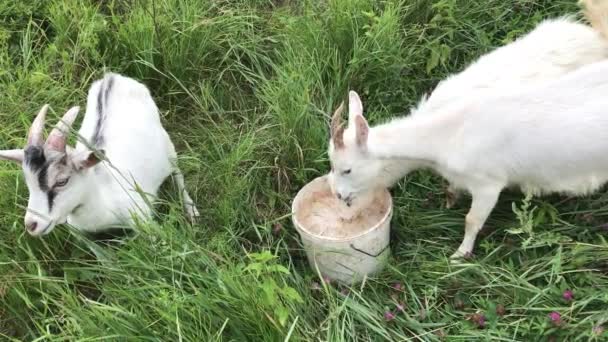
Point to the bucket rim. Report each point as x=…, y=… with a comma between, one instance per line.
x=299, y=227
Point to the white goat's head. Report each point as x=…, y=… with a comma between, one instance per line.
x=353, y=170
x=54, y=174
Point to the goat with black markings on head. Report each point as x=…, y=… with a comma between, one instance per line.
x=111, y=178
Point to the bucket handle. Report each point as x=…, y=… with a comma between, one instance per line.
x=369, y=254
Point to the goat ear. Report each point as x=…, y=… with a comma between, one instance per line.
x=355, y=107
x=361, y=131
x=87, y=159
x=12, y=155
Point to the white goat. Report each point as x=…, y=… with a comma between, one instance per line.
x=555, y=47
x=109, y=180
x=486, y=142
x=547, y=138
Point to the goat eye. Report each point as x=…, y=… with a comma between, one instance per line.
x=346, y=172
x=62, y=182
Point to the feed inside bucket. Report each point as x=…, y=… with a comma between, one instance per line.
x=344, y=243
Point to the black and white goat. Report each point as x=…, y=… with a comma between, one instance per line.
x=122, y=157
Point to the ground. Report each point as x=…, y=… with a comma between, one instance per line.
x=246, y=88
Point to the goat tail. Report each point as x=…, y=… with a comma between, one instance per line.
x=596, y=12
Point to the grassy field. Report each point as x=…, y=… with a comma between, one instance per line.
x=246, y=88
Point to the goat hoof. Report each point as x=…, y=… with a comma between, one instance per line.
x=193, y=214
x=458, y=257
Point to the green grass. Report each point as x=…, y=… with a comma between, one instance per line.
x=246, y=88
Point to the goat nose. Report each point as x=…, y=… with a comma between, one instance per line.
x=339, y=196
x=31, y=226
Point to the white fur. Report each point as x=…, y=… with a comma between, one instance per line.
x=555, y=47
x=139, y=151
x=549, y=138
x=116, y=190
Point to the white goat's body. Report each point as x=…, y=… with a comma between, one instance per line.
x=554, y=48
x=530, y=114
x=137, y=147
x=546, y=138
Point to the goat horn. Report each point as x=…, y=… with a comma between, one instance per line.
x=336, y=119
x=58, y=136
x=337, y=128
x=34, y=136
x=338, y=138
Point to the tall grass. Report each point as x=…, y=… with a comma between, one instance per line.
x=246, y=89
